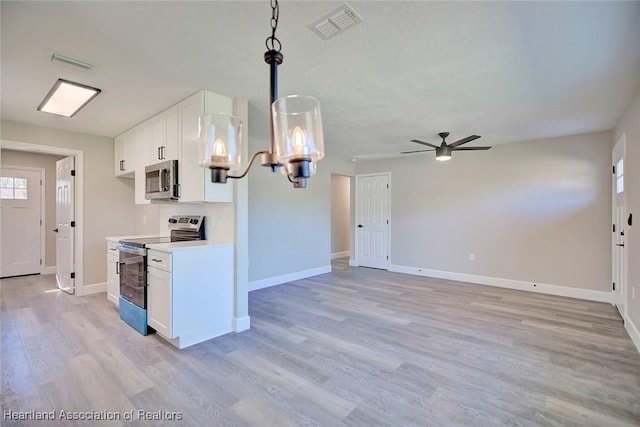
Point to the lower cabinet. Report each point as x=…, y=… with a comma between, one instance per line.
x=159, y=308
x=190, y=293
x=113, y=272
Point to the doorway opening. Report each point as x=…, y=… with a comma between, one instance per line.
x=78, y=210
x=341, y=216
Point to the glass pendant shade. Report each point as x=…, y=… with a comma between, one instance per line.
x=220, y=141
x=297, y=125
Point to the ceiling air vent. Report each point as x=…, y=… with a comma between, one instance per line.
x=56, y=57
x=335, y=22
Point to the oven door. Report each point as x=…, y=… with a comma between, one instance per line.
x=133, y=274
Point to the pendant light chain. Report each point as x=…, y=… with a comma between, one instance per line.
x=272, y=41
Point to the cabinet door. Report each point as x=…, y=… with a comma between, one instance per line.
x=141, y=140
x=113, y=276
x=195, y=181
x=191, y=174
x=164, y=135
x=121, y=155
x=159, y=304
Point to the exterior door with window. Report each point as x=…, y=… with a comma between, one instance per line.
x=619, y=254
x=20, y=210
x=65, y=231
x=372, y=220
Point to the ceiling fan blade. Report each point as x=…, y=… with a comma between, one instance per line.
x=464, y=141
x=470, y=148
x=424, y=143
x=418, y=151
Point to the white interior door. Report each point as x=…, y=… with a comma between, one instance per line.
x=21, y=227
x=65, y=231
x=619, y=254
x=372, y=220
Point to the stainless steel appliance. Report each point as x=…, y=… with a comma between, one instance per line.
x=133, y=267
x=161, y=181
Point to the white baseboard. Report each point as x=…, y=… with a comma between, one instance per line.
x=48, y=270
x=340, y=254
x=286, y=278
x=241, y=323
x=353, y=262
x=600, y=296
x=94, y=288
x=633, y=332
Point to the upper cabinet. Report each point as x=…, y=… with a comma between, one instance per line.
x=164, y=136
x=195, y=181
x=173, y=135
x=123, y=155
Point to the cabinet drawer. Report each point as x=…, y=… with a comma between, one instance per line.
x=112, y=248
x=157, y=259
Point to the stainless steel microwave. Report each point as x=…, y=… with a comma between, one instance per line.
x=161, y=181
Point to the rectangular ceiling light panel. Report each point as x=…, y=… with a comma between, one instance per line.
x=66, y=98
x=335, y=22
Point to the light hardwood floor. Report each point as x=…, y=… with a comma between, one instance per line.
x=356, y=347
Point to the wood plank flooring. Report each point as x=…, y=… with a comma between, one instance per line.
x=355, y=347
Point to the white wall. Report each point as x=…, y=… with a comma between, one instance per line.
x=629, y=124
x=535, y=211
x=290, y=229
x=340, y=215
x=108, y=201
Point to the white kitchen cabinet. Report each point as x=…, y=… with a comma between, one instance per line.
x=141, y=140
x=159, y=300
x=164, y=136
x=113, y=272
x=195, y=181
x=190, y=292
x=123, y=150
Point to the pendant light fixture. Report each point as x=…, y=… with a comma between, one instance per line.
x=296, y=137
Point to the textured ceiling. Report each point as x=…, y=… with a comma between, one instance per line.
x=509, y=71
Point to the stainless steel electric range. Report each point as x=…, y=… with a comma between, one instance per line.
x=133, y=267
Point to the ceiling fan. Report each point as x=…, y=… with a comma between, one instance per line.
x=443, y=152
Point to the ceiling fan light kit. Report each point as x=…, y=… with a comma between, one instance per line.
x=444, y=150
x=296, y=136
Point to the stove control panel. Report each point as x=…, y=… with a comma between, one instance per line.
x=186, y=222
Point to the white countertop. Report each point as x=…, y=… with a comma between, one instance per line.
x=178, y=246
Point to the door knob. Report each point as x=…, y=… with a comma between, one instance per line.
x=55, y=229
x=360, y=225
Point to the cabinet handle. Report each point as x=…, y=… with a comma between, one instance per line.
x=113, y=249
x=159, y=153
x=121, y=165
x=162, y=148
x=117, y=268
x=156, y=260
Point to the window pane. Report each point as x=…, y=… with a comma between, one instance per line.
x=620, y=168
x=619, y=185
x=21, y=193
x=20, y=182
x=6, y=182
x=6, y=193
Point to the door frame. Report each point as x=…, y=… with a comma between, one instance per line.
x=43, y=261
x=79, y=190
x=354, y=226
x=620, y=146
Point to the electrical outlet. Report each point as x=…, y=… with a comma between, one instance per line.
x=472, y=257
